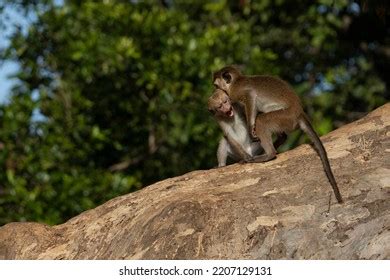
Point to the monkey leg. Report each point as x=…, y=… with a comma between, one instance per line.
x=268, y=146
x=272, y=122
x=280, y=140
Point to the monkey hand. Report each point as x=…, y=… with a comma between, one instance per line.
x=254, y=135
x=246, y=159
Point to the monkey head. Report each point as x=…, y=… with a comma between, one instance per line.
x=219, y=104
x=223, y=78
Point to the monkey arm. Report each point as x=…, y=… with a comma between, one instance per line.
x=251, y=112
x=238, y=149
x=222, y=152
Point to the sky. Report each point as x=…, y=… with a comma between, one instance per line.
x=11, y=17
x=6, y=83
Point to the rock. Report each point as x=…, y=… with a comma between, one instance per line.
x=275, y=210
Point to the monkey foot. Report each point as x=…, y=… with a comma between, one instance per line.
x=264, y=158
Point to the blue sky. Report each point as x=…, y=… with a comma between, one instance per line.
x=11, y=17
x=6, y=83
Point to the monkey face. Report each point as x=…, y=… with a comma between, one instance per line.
x=223, y=78
x=220, y=83
x=220, y=105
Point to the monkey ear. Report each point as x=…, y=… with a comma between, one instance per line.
x=239, y=67
x=227, y=77
x=214, y=76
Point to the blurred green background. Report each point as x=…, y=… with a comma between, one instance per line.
x=111, y=95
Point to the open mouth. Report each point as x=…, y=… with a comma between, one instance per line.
x=230, y=113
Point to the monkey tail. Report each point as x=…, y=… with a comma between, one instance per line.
x=305, y=125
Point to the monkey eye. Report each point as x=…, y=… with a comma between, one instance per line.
x=227, y=77
x=225, y=101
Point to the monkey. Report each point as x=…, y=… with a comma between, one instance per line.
x=236, y=142
x=271, y=106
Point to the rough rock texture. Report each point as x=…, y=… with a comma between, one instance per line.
x=276, y=210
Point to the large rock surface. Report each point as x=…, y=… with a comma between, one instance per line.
x=274, y=210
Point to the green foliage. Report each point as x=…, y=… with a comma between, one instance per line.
x=112, y=94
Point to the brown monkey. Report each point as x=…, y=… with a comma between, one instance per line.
x=279, y=110
x=236, y=143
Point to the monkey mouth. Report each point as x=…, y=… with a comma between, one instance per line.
x=230, y=113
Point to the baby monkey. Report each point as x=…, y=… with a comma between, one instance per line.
x=236, y=143
x=271, y=106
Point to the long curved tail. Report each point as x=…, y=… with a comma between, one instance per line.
x=305, y=125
